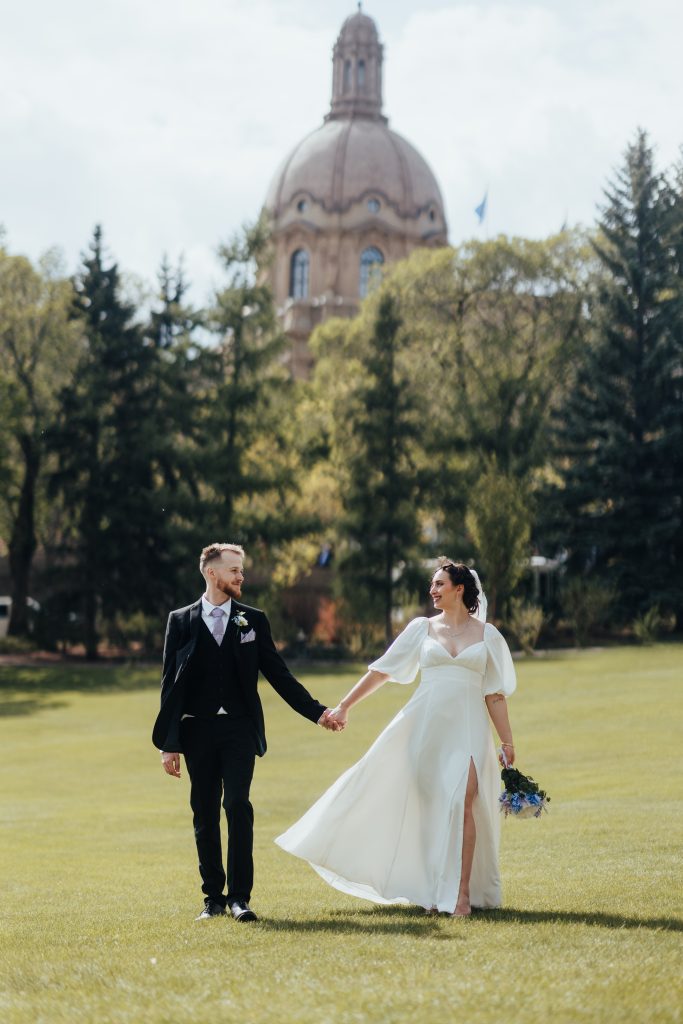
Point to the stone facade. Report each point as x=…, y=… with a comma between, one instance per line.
x=351, y=197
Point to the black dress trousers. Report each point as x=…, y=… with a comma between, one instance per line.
x=220, y=751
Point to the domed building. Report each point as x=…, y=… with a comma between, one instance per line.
x=350, y=197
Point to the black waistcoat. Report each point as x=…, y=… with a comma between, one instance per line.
x=212, y=680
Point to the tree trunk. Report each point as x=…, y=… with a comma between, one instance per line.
x=492, y=598
x=388, y=590
x=22, y=545
x=90, y=630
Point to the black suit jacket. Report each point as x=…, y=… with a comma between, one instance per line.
x=256, y=655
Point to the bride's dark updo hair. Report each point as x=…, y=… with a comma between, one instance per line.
x=459, y=573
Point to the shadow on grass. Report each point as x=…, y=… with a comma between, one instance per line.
x=509, y=915
x=410, y=921
x=28, y=706
x=413, y=921
x=27, y=689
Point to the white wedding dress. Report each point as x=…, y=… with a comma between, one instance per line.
x=390, y=828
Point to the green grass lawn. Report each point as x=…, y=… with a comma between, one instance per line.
x=100, y=885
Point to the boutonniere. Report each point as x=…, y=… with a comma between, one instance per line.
x=240, y=619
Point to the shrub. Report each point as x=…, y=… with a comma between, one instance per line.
x=525, y=623
x=649, y=627
x=587, y=604
x=16, y=645
x=138, y=629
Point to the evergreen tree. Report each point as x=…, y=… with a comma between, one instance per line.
x=246, y=404
x=174, y=415
x=173, y=322
x=675, y=400
x=104, y=444
x=621, y=432
x=488, y=333
x=381, y=484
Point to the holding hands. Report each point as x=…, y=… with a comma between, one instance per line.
x=334, y=719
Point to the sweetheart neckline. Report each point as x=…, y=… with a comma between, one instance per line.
x=453, y=657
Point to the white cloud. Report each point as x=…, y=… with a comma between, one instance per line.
x=165, y=121
x=538, y=102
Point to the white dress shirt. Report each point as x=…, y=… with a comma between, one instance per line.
x=209, y=622
x=207, y=608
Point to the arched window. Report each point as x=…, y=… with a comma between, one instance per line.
x=361, y=75
x=347, y=76
x=298, y=274
x=371, y=260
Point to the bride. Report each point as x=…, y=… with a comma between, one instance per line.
x=416, y=820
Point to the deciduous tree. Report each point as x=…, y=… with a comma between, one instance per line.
x=39, y=348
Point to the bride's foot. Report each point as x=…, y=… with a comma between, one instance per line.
x=462, y=908
x=430, y=911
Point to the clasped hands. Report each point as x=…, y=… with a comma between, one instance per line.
x=334, y=719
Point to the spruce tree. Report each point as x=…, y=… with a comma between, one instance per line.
x=381, y=488
x=621, y=429
x=674, y=453
x=105, y=460
x=245, y=403
x=174, y=416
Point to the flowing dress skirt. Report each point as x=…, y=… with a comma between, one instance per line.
x=390, y=828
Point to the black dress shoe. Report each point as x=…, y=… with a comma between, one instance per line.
x=211, y=909
x=241, y=911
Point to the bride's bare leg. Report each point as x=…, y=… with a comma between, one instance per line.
x=469, y=839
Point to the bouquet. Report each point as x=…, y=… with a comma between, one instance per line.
x=521, y=796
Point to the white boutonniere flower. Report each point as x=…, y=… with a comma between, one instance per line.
x=240, y=619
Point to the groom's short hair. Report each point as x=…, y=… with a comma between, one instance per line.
x=213, y=551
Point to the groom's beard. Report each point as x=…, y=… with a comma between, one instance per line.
x=230, y=589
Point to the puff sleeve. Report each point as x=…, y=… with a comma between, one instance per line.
x=402, y=660
x=499, y=676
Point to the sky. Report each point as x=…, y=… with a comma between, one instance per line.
x=164, y=121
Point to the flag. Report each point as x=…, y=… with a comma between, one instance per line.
x=481, y=209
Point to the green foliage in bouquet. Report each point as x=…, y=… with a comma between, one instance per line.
x=515, y=782
x=522, y=797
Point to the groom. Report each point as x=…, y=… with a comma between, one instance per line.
x=211, y=712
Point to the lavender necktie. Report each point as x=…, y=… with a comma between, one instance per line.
x=218, y=630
